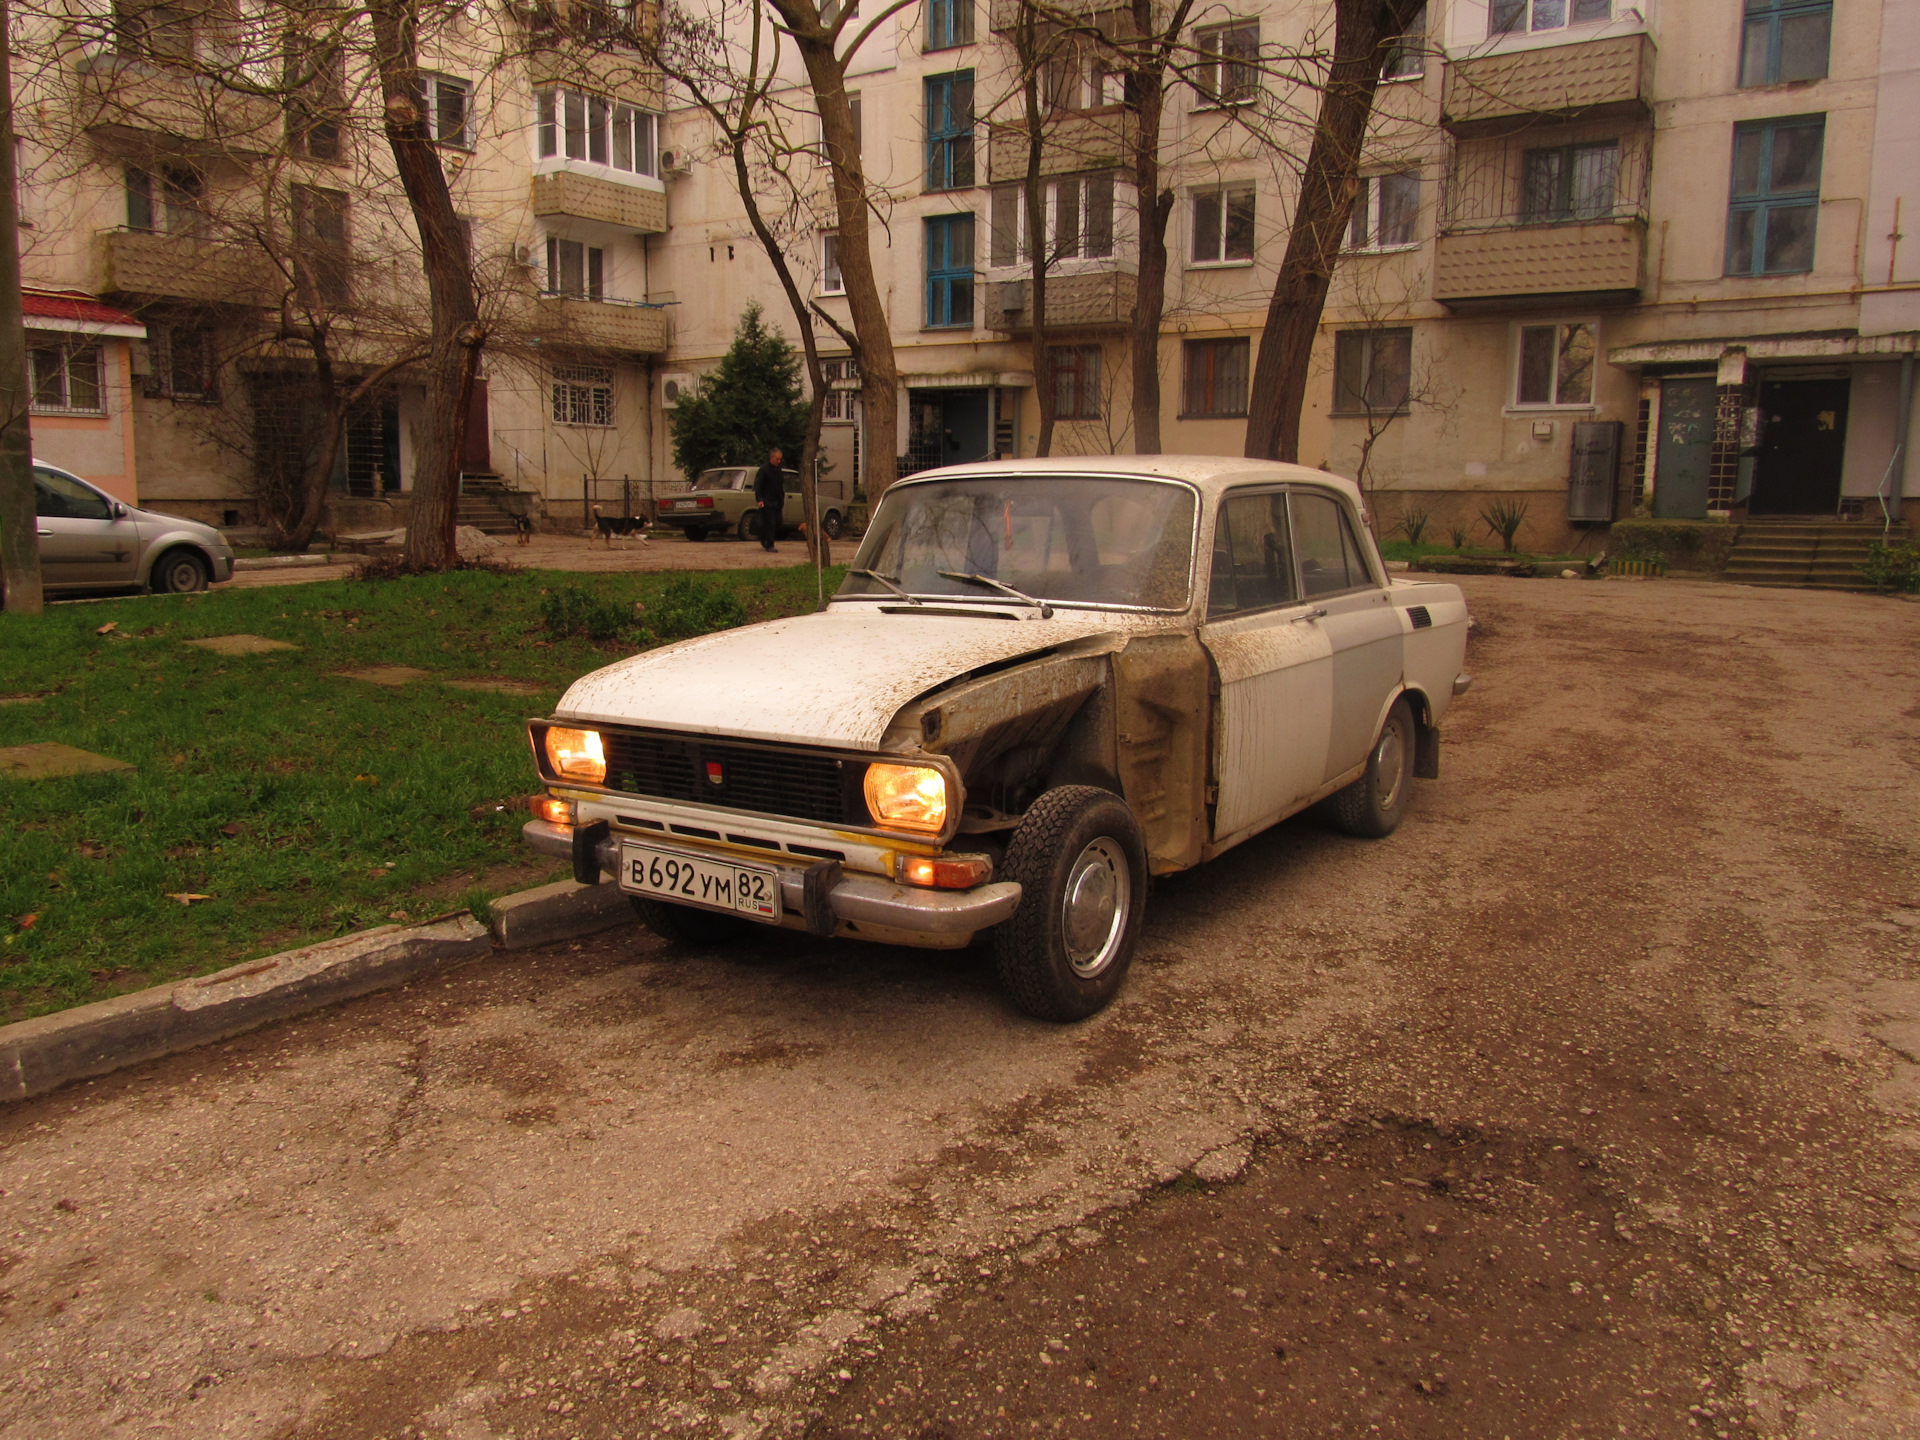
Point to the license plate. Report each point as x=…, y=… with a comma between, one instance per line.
x=750, y=890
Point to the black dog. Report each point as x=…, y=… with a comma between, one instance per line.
x=625, y=526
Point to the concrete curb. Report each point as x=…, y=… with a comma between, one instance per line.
x=39, y=1055
x=563, y=910
x=291, y=562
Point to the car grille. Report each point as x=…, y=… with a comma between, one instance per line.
x=763, y=782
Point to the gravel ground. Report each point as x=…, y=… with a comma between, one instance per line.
x=1589, y=1103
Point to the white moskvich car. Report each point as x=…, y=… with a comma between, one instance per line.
x=1043, y=681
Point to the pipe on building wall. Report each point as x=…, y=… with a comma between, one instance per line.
x=1893, y=488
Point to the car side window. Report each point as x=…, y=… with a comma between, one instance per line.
x=1329, y=555
x=1252, y=557
x=58, y=497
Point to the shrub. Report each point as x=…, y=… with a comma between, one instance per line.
x=1504, y=518
x=1892, y=569
x=1700, y=545
x=688, y=606
x=1413, y=525
x=1459, y=536
x=568, y=610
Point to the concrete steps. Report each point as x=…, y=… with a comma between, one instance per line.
x=483, y=506
x=1812, y=554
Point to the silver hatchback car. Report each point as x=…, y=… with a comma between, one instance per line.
x=90, y=541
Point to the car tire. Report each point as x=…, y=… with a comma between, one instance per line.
x=697, y=532
x=179, y=572
x=749, y=526
x=1082, y=868
x=1371, y=806
x=684, y=925
x=834, y=524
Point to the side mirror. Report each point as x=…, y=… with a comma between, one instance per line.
x=119, y=510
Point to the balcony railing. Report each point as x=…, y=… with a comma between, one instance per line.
x=592, y=197
x=1590, y=173
x=1074, y=302
x=188, y=267
x=1588, y=78
x=1109, y=15
x=1074, y=141
x=630, y=326
x=1601, y=260
x=134, y=98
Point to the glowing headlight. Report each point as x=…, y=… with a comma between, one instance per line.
x=910, y=797
x=577, y=754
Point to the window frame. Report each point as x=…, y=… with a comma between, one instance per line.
x=950, y=135
x=1764, y=203
x=601, y=120
x=1773, y=14
x=1084, y=363
x=1092, y=241
x=163, y=369
x=1235, y=75
x=584, y=389
x=1562, y=211
x=1411, y=42
x=593, y=269
x=1517, y=344
x=832, y=280
x=949, y=25
x=1368, y=205
x=1527, y=10
x=944, y=282
x=1222, y=520
x=325, y=277
x=1350, y=529
x=435, y=86
x=69, y=348
x=1226, y=192
x=1211, y=346
x=1359, y=407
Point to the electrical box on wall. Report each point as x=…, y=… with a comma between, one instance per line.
x=1591, y=477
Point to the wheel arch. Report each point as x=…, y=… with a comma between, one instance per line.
x=170, y=545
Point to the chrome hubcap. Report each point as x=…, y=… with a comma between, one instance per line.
x=1094, y=911
x=1389, y=766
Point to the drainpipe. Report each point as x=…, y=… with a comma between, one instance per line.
x=1893, y=486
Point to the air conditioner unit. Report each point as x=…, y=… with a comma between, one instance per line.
x=674, y=162
x=521, y=255
x=676, y=387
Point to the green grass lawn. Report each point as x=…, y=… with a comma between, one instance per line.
x=304, y=804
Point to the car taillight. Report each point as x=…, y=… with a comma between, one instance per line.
x=704, y=502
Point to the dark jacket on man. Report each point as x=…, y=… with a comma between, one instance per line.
x=769, y=484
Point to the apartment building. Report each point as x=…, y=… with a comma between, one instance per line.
x=208, y=270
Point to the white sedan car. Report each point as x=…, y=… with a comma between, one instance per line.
x=1043, y=681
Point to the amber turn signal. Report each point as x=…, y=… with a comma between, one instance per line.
x=947, y=872
x=577, y=754
x=907, y=797
x=553, y=809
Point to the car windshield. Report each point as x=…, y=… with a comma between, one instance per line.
x=1074, y=539
x=728, y=479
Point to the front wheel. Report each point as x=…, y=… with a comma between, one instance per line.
x=683, y=925
x=1371, y=806
x=179, y=572
x=834, y=525
x=1082, y=868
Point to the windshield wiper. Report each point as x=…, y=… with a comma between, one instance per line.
x=1046, y=610
x=890, y=583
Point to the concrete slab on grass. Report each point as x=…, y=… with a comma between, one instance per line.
x=563, y=910
x=49, y=761
x=502, y=687
x=242, y=644
x=393, y=676
x=38, y=1055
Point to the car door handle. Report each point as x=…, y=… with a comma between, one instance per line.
x=42, y=532
x=1310, y=615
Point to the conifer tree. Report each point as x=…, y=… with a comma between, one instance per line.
x=751, y=402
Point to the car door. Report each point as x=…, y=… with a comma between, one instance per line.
x=1275, y=665
x=1357, y=617
x=85, y=539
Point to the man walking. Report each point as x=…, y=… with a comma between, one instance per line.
x=770, y=489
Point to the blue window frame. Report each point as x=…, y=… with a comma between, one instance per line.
x=1785, y=40
x=949, y=23
x=950, y=131
x=949, y=271
x=1775, y=204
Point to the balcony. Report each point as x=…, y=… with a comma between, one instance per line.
x=592, y=197
x=1109, y=15
x=1599, y=263
x=186, y=267
x=1589, y=79
x=1074, y=302
x=601, y=68
x=1075, y=141
x=628, y=326
x=138, y=104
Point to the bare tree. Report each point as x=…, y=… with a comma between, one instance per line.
x=19, y=545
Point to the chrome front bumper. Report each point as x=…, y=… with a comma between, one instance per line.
x=861, y=899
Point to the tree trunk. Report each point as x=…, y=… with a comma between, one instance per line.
x=453, y=358
x=1028, y=44
x=1327, y=189
x=19, y=545
x=879, y=380
x=1148, y=77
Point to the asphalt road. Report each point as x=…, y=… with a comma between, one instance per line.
x=1588, y=1104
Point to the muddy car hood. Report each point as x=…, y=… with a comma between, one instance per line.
x=833, y=678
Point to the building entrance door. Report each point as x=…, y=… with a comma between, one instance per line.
x=1685, y=450
x=948, y=427
x=1803, y=440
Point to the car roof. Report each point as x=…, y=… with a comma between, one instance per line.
x=1210, y=474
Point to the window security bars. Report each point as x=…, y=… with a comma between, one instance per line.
x=1216, y=378
x=583, y=395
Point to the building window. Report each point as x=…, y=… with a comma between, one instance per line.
x=1229, y=70
x=449, y=110
x=843, y=370
x=950, y=131
x=321, y=264
x=576, y=270
x=171, y=201
x=66, y=377
x=838, y=405
x=1078, y=224
x=182, y=364
x=1555, y=364
x=1776, y=196
x=1384, y=212
x=575, y=126
x=1216, y=379
x=949, y=23
x=1076, y=381
x=1223, y=225
x=1509, y=17
x=583, y=395
x=821, y=154
x=154, y=31
x=1372, y=371
x=949, y=271
x=1407, y=57
x=316, y=102
x=1569, y=182
x=832, y=282
x=1785, y=40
